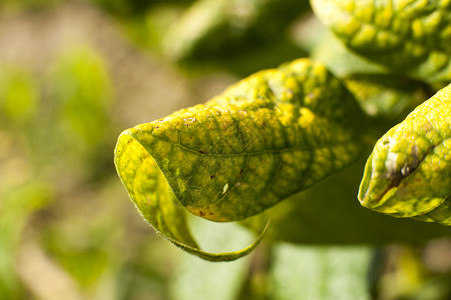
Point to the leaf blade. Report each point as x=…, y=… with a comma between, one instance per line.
x=156, y=207
x=408, y=37
x=407, y=173
x=267, y=137
x=261, y=140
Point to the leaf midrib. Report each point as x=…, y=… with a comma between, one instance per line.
x=289, y=149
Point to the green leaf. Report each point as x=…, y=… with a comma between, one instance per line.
x=265, y=138
x=411, y=37
x=151, y=195
x=407, y=175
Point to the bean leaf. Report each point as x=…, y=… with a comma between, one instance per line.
x=264, y=139
x=408, y=173
x=410, y=37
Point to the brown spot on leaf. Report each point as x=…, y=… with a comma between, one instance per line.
x=396, y=177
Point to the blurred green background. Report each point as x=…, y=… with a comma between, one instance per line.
x=73, y=75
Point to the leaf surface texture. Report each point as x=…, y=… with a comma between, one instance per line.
x=408, y=173
x=411, y=37
x=264, y=139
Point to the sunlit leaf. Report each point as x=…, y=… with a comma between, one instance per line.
x=410, y=37
x=265, y=138
x=407, y=175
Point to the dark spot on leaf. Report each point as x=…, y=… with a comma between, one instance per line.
x=407, y=169
x=395, y=179
x=203, y=152
x=241, y=171
x=212, y=176
x=201, y=213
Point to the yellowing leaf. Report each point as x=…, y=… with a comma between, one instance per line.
x=264, y=139
x=411, y=37
x=408, y=173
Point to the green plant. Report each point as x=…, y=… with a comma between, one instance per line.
x=290, y=144
x=280, y=131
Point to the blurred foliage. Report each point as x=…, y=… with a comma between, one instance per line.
x=20, y=95
x=81, y=83
x=341, y=272
x=18, y=203
x=240, y=24
x=70, y=74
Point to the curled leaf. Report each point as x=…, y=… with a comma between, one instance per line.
x=264, y=139
x=411, y=37
x=151, y=195
x=408, y=173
